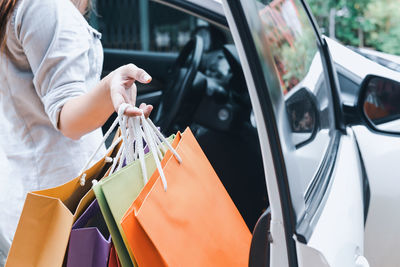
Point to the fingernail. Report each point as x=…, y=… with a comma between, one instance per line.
x=147, y=78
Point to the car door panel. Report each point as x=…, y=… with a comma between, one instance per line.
x=156, y=64
x=335, y=230
x=337, y=234
x=380, y=153
x=278, y=248
x=308, y=256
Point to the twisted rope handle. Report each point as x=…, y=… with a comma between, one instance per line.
x=133, y=131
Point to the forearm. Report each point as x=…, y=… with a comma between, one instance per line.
x=83, y=114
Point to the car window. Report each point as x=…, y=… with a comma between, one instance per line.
x=289, y=54
x=143, y=25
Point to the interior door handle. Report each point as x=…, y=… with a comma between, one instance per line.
x=260, y=243
x=361, y=261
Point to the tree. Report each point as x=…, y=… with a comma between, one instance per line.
x=321, y=10
x=352, y=25
x=371, y=23
x=385, y=26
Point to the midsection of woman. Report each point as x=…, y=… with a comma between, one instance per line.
x=51, y=56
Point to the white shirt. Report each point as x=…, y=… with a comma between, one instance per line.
x=52, y=55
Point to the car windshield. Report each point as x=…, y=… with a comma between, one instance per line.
x=293, y=69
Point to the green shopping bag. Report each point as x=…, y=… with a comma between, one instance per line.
x=116, y=194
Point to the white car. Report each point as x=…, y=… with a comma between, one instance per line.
x=302, y=131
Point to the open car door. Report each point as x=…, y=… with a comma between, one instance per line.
x=312, y=165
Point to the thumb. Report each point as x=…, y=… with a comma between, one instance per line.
x=137, y=74
x=144, y=77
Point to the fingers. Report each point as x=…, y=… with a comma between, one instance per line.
x=132, y=92
x=134, y=111
x=117, y=99
x=146, y=109
x=123, y=88
x=138, y=74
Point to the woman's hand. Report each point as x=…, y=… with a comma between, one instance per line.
x=123, y=89
x=82, y=114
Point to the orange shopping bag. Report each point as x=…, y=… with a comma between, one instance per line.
x=193, y=223
x=145, y=247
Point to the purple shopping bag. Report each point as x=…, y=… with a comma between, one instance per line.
x=90, y=241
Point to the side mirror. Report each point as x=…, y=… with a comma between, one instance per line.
x=379, y=104
x=303, y=114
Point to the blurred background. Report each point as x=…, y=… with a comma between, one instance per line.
x=369, y=27
x=372, y=24
x=142, y=25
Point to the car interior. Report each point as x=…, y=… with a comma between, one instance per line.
x=199, y=84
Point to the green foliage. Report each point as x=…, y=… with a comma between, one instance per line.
x=349, y=25
x=385, y=21
x=321, y=9
x=372, y=23
x=303, y=48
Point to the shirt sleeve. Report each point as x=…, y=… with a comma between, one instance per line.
x=55, y=39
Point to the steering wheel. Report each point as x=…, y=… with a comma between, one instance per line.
x=182, y=75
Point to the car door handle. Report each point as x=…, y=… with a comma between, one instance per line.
x=361, y=261
x=260, y=242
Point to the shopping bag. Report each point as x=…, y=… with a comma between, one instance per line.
x=113, y=260
x=90, y=241
x=45, y=224
x=115, y=195
x=146, y=248
x=193, y=223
